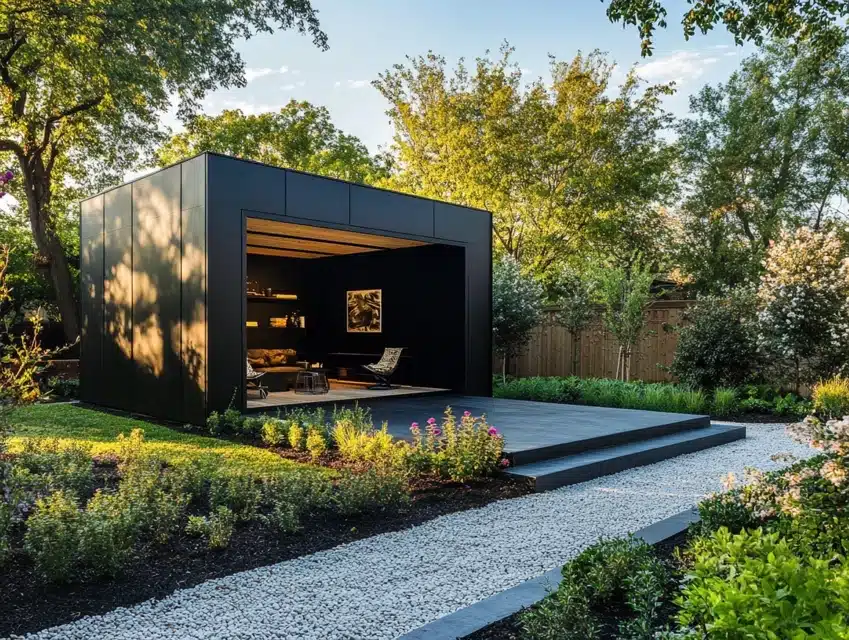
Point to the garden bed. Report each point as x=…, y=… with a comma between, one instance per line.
x=510, y=628
x=29, y=605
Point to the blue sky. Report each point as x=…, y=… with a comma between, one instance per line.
x=369, y=36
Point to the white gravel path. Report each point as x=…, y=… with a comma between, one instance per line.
x=384, y=586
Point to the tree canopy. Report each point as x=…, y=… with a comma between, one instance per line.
x=84, y=82
x=817, y=21
x=299, y=136
x=560, y=166
x=765, y=151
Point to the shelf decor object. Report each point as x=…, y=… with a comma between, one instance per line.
x=285, y=296
x=278, y=323
x=251, y=323
x=365, y=311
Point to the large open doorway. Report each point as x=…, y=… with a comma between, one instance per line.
x=322, y=303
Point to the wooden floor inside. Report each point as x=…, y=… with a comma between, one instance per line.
x=339, y=392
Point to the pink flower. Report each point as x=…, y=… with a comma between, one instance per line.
x=467, y=413
x=431, y=420
x=437, y=431
x=493, y=431
x=505, y=462
x=415, y=425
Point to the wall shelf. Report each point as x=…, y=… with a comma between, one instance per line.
x=271, y=299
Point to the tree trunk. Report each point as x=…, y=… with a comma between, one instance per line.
x=37, y=187
x=576, y=362
x=503, y=369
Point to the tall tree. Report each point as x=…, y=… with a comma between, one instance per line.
x=765, y=151
x=551, y=162
x=299, y=136
x=86, y=80
x=817, y=21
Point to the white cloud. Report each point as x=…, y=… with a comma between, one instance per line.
x=524, y=71
x=337, y=84
x=296, y=72
x=731, y=53
x=283, y=69
x=250, y=108
x=678, y=67
x=287, y=87
x=722, y=46
x=357, y=84
x=300, y=83
x=253, y=74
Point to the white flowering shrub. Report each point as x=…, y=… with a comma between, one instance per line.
x=516, y=307
x=804, y=306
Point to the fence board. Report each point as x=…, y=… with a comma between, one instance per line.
x=549, y=352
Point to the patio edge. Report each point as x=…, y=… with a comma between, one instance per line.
x=469, y=619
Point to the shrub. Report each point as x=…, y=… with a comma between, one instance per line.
x=719, y=345
x=831, y=398
x=274, y=432
x=217, y=528
x=240, y=493
x=316, y=444
x=147, y=496
x=295, y=494
x=373, y=490
x=756, y=405
x=472, y=449
x=617, y=575
x=214, y=424
x=724, y=402
x=538, y=389
x=751, y=585
x=358, y=442
x=791, y=405
x=64, y=387
x=516, y=307
x=66, y=467
x=52, y=536
x=252, y=426
x=107, y=535
x=296, y=436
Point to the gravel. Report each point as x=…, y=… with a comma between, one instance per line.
x=384, y=586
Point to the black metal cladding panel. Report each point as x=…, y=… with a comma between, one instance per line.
x=479, y=318
x=193, y=314
x=117, y=381
x=156, y=293
x=376, y=209
x=91, y=311
x=193, y=182
x=255, y=186
x=91, y=217
x=118, y=208
x=453, y=222
x=317, y=198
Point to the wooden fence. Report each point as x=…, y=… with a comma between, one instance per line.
x=549, y=352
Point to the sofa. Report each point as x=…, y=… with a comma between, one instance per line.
x=279, y=366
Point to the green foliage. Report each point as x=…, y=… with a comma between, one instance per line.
x=214, y=424
x=300, y=136
x=297, y=436
x=240, y=493
x=831, y=398
x=611, y=575
x=66, y=467
x=574, y=293
x=625, y=293
x=252, y=426
x=516, y=306
x=541, y=389
x=747, y=20
x=752, y=585
x=64, y=387
x=217, y=528
x=275, y=432
x=52, y=537
x=471, y=449
x=718, y=346
x=568, y=166
x=316, y=444
x=370, y=491
x=358, y=442
x=724, y=402
x=738, y=198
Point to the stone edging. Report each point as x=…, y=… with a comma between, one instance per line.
x=502, y=605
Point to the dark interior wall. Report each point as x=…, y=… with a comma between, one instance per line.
x=282, y=275
x=143, y=277
x=423, y=290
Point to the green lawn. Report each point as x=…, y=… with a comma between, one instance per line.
x=99, y=430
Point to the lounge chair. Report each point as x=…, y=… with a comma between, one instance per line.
x=385, y=367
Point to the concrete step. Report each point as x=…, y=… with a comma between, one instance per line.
x=580, y=467
x=667, y=424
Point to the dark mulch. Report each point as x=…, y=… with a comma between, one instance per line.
x=28, y=605
x=510, y=628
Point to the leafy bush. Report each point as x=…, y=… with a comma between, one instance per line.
x=472, y=449
x=217, y=528
x=52, y=536
x=538, y=389
x=373, y=490
x=64, y=387
x=751, y=585
x=107, y=535
x=297, y=436
x=791, y=405
x=831, y=398
x=316, y=444
x=214, y=424
x=252, y=426
x=240, y=493
x=724, y=402
x=719, y=345
x=359, y=442
x=66, y=467
x=148, y=498
x=275, y=432
x=618, y=575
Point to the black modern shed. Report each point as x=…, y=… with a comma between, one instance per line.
x=168, y=263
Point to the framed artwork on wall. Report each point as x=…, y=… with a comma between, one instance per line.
x=365, y=311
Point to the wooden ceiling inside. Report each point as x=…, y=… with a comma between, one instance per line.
x=290, y=240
